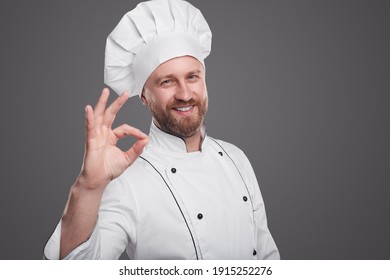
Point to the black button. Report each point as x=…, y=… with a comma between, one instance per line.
x=200, y=216
x=173, y=170
x=254, y=252
x=245, y=198
x=220, y=153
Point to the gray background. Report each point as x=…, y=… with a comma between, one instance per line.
x=301, y=86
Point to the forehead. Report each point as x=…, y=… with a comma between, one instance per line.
x=178, y=66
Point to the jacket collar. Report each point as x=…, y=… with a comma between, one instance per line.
x=169, y=142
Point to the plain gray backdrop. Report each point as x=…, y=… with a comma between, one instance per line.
x=301, y=86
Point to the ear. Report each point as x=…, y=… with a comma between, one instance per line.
x=143, y=98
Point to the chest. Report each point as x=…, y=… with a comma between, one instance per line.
x=194, y=208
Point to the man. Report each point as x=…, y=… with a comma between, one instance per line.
x=177, y=193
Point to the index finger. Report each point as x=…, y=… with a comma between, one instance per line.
x=112, y=110
x=102, y=102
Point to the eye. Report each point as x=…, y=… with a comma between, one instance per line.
x=193, y=77
x=166, y=82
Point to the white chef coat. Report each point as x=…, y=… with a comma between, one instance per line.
x=170, y=204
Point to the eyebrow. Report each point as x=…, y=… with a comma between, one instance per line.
x=194, y=72
x=170, y=76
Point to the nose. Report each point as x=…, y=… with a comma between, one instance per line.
x=183, y=92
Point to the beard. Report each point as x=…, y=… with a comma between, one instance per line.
x=180, y=126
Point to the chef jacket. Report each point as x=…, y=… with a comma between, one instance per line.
x=170, y=204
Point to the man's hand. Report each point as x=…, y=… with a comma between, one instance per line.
x=103, y=160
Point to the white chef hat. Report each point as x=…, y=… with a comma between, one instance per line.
x=150, y=34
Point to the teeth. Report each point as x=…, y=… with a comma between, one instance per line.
x=183, y=109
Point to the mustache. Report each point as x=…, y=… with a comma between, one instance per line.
x=181, y=103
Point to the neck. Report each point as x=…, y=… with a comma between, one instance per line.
x=193, y=142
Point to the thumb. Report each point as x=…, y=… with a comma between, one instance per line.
x=136, y=150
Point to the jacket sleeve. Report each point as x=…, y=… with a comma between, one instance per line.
x=113, y=232
x=90, y=249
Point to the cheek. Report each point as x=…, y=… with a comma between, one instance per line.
x=202, y=91
x=162, y=102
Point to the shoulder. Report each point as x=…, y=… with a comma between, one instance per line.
x=230, y=149
x=238, y=157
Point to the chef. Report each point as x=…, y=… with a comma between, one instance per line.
x=177, y=193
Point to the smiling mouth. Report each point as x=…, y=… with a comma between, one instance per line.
x=183, y=109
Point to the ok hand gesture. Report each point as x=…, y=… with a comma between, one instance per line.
x=103, y=160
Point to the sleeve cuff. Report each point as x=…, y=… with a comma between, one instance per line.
x=88, y=250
